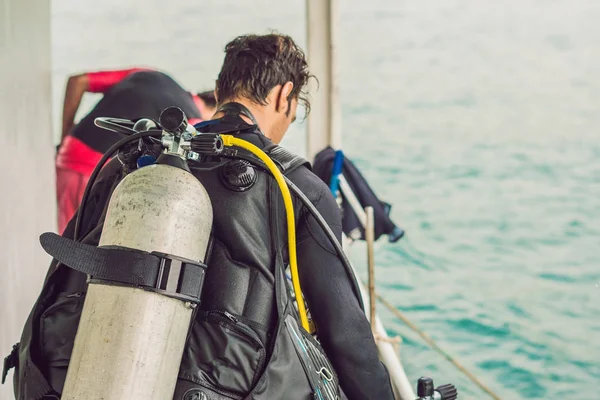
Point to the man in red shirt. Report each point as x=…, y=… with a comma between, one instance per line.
x=130, y=93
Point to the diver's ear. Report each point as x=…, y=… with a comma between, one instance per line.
x=283, y=103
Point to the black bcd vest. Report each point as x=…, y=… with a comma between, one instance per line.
x=245, y=341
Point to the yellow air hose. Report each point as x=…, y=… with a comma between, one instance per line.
x=229, y=140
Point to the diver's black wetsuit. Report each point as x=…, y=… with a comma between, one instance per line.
x=344, y=331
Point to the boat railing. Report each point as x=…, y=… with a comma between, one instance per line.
x=388, y=347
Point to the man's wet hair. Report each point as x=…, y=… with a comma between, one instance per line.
x=208, y=98
x=255, y=64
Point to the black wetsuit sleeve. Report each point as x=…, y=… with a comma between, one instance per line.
x=343, y=328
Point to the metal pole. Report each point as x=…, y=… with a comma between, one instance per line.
x=323, y=123
x=370, y=236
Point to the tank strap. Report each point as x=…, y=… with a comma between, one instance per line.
x=172, y=276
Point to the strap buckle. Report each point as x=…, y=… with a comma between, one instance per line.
x=10, y=361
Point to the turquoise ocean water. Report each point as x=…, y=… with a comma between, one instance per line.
x=477, y=120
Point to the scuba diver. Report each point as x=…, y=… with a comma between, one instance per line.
x=127, y=93
x=271, y=96
x=246, y=340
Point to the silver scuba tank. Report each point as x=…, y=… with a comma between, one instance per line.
x=130, y=341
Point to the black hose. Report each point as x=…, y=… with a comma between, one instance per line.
x=113, y=149
x=331, y=236
x=115, y=125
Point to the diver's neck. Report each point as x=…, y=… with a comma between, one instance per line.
x=257, y=111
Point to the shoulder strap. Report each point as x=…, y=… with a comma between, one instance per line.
x=285, y=159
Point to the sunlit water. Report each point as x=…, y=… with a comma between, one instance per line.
x=477, y=120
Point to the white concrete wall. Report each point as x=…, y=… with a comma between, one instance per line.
x=27, y=194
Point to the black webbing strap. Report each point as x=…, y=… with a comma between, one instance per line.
x=286, y=160
x=175, y=275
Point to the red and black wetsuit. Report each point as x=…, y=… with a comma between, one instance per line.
x=130, y=94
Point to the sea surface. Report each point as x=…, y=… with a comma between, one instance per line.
x=478, y=120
